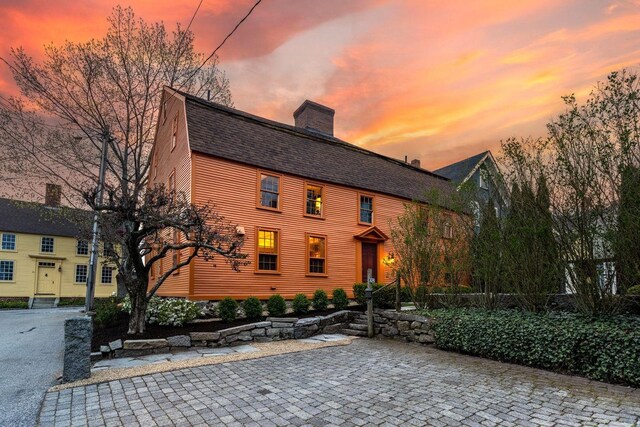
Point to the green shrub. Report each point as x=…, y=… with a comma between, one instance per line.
x=228, y=309
x=634, y=290
x=301, y=304
x=320, y=300
x=167, y=311
x=14, y=304
x=604, y=349
x=107, y=312
x=339, y=299
x=276, y=305
x=252, y=308
x=385, y=298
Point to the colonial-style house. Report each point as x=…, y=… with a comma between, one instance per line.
x=40, y=255
x=482, y=173
x=315, y=210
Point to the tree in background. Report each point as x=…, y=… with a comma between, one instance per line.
x=627, y=240
x=83, y=94
x=582, y=161
x=487, y=256
x=529, y=256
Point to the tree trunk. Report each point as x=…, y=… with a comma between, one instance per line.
x=137, y=319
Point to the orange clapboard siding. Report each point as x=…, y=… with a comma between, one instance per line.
x=167, y=161
x=232, y=188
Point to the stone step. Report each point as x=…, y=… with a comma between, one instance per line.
x=360, y=321
x=43, y=303
x=358, y=326
x=353, y=332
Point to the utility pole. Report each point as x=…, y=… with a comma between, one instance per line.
x=95, y=236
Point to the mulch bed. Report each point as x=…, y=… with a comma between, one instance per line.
x=102, y=336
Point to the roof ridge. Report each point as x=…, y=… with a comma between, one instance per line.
x=303, y=132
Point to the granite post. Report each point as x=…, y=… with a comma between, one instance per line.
x=77, y=349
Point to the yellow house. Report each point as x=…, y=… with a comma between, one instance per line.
x=41, y=257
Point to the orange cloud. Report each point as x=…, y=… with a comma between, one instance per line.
x=439, y=80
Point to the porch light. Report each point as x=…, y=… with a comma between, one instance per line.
x=389, y=259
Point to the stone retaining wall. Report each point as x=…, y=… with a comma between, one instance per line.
x=403, y=326
x=273, y=329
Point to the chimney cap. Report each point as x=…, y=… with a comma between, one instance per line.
x=314, y=105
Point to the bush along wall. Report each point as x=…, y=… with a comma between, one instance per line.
x=604, y=349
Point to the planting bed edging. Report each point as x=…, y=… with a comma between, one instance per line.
x=273, y=329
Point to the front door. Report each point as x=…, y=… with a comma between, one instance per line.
x=369, y=260
x=47, y=278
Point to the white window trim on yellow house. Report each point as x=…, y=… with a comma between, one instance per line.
x=13, y=273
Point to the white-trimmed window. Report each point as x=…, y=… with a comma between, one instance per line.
x=82, y=247
x=106, y=275
x=107, y=249
x=6, y=271
x=47, y=245
x=8, y=242
x=82, y=271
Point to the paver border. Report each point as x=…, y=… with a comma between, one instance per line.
x=267, y=349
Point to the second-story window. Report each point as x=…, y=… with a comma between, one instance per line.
x=8, y=242
x=484, y=179
x=269, y=191
x=314, y=200
x=174, y=132
x=82, y=248
x=46, y=245
x=366, y=209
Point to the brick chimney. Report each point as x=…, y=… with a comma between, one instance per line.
x=313, y=116
x=52, y=195
x=415, y=163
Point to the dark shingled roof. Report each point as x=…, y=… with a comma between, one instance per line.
x=234, y=135
x=36, y=218
x=458, y=171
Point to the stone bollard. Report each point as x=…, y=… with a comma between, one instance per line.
x=77, y=349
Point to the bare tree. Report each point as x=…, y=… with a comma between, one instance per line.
x=432, y=244
x=582, y=161
x=82, y=94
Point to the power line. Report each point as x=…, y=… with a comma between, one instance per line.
x=221, y=44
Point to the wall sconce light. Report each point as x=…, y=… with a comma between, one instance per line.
x=389, y=259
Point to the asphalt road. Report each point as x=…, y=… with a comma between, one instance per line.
x=31, y=355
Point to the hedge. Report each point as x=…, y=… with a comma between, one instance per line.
x=604, y=349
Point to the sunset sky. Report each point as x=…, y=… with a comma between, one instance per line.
x=436, y=80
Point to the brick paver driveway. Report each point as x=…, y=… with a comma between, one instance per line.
x=366, y=383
